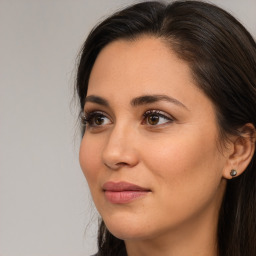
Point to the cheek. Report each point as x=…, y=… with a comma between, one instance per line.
x=186, y=175
x=182, y=151
x=90, y=159
x=185, y=164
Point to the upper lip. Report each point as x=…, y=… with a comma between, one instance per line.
x=122, y=186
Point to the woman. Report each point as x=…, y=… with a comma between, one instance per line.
x=168, y=99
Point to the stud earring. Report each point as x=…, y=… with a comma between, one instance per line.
x=233, y=173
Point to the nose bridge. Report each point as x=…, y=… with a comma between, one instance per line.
x=120, y=147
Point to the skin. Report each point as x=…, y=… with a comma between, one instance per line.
x=178, y=159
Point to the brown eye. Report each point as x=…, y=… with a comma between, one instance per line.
x=96, y=119
x=99, y=120
x=156, y=118
x=153, y=119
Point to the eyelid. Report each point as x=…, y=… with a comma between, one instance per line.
x=87, y=116
x=92, y=112
x=160, y=113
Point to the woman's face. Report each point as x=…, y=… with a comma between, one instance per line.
x=150, y=151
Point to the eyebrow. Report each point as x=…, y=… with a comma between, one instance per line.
x=148, y=99
x=97, y=100
x=138, y=101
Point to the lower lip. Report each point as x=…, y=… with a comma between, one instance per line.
x=123, y=197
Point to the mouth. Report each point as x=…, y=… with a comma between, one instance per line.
x=123, y=192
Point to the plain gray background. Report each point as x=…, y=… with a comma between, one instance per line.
x=44, y=201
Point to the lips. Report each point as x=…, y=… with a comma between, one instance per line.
x=123, y=192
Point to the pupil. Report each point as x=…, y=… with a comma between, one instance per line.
x=99, y=120
x=154, y=119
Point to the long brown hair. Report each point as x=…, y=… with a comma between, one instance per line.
x=222, y=56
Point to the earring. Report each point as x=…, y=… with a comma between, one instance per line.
x=233, y=173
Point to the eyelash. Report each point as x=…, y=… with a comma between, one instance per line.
x=88, y=118
x=159, y=114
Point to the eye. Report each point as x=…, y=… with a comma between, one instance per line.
x=95, y=119
x=156, y=117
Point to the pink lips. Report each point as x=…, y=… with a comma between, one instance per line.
x=123, y=192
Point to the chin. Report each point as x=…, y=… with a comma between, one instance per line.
x=128, y=229
x=127, y=233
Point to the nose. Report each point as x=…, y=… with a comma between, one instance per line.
x=120, y=149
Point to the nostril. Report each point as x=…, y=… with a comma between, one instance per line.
x=107, y=165
x=122, y=163
x=116, y=165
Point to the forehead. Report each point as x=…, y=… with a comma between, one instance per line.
x=146, y=60
x=127, y=69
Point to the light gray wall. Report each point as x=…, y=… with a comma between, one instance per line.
x=44, y=201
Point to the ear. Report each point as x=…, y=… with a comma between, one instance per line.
x=241, y=151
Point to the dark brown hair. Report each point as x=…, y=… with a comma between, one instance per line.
x=222, y=56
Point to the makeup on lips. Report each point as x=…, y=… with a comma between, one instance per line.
x=123, y=192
